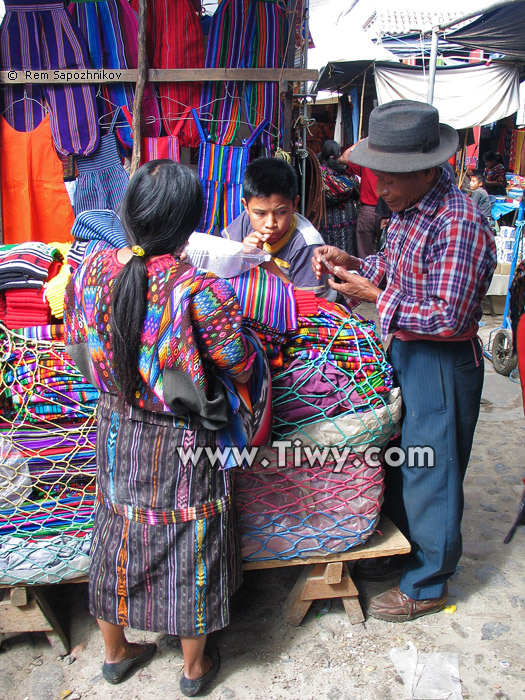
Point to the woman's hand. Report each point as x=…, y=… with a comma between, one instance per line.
x=354, y=286
x=334, y=257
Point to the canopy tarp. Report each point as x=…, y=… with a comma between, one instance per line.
x=500, y=31
x=342, y=76
x=469, y=95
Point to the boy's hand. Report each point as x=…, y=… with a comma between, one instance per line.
x=255, y=239
x=334, y=257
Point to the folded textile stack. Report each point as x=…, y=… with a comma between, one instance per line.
x=25, y=308
x=47, y=459
x=24, y=269
x=46, y=385
x=334, y=364
x=268, y=306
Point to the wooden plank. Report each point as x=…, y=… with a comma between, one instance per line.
x=27, y=618
x=18, y=596
x=142, y=72
x=55, y=634
x=295, y=607
x=79, y=579
x=155, y=75
x=386, y=541
x=317, y=589
x=333, y=572
x=353, y=610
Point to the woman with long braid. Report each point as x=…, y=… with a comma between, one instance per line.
x=162, y=340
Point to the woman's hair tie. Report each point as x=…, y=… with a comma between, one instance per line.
x=138, y=251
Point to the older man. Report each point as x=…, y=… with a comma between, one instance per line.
x=428, y=285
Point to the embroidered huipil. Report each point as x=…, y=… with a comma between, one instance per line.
x=192, y=324
x=437, y=265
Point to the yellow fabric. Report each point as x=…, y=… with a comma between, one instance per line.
x=55, y=291
x=276, y=247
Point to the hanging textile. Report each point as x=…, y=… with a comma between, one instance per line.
x=220, y=104
x=39, y=36
x=264, y=47
x=35, y=202
x=174, y=40
x=110, y=30
x=102, y=181
x=221, y=169
x=162, y=146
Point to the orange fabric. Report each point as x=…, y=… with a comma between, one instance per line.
x=35, y=202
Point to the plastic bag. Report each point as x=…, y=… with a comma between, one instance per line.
x=221, y=256
x=15, y=481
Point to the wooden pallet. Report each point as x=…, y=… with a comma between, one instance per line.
x=328, y=576
x=25, y=609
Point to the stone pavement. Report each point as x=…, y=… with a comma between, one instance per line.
x=327, y=657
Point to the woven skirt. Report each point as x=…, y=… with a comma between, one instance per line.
x=165, y=554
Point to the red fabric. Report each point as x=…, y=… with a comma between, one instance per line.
x=520, y=342
x=368, y=193
x=175, y=40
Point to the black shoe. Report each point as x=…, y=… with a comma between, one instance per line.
x=114, y=673
x=380, y=568
x=190, y=687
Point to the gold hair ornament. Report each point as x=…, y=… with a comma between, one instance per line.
x=138, y=251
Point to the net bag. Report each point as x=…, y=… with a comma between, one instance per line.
x=47, y=459
x=318, y=490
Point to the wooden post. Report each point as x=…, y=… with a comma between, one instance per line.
x=359, y=134
x=141, y=84
x=289, y=63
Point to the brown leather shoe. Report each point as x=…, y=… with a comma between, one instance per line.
x=395, y=606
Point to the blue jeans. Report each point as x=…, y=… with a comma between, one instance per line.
x=441, y=384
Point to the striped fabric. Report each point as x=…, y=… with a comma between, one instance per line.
x=161, y=146
x=41, y=36
x=221, y=169
x=102, y=181
x=110, y=30
x=174, y=40
x=171, y=568
x=220, y=104
x=266, y=300
x=99, y=225
x=264, y=47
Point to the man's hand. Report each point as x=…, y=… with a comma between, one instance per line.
x=354, y=286
x=334, y=257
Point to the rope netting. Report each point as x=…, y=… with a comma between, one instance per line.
x=47, y=459
x=319, y=491
x=289, y=511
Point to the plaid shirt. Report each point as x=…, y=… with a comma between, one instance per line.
x=437, y=265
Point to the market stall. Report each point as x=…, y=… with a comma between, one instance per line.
x=94, y=99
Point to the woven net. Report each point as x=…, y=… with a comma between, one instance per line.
x=320, y=492
x=47, y=459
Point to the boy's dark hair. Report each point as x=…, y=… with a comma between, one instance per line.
x=478, y=174
x=266, y=176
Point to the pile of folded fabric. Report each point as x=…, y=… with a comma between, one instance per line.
x=47, y=458
x=268, y=307
x=24, y=269
x=333, y=365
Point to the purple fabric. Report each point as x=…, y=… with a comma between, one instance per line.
x=41, y=36
x=305, y=391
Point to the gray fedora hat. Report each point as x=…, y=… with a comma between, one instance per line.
x=404, y=136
